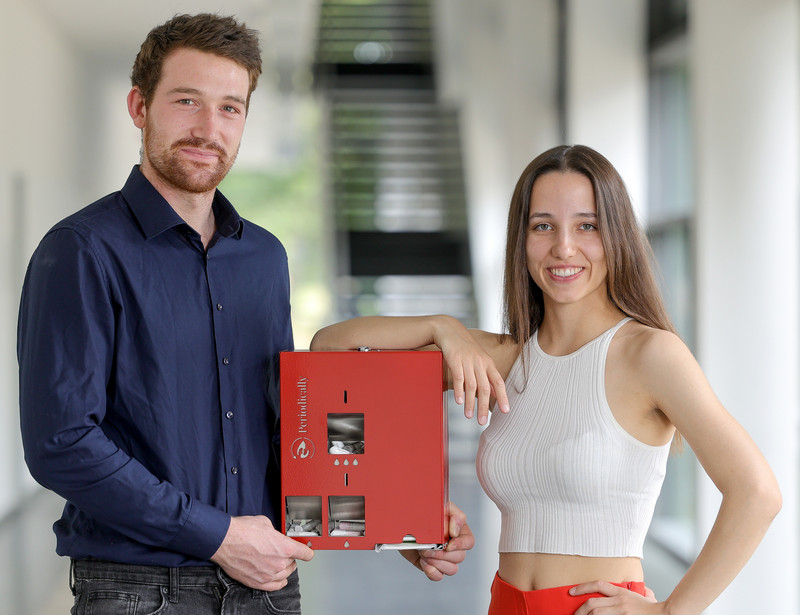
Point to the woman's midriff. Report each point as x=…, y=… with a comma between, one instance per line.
x=532, y=571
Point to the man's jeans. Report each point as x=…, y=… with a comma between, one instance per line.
x=106, y=588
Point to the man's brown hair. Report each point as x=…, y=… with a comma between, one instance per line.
x=222, y=36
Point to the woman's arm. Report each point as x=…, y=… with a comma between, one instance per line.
x=471, y=364
x=384, y=332
x=750, y=494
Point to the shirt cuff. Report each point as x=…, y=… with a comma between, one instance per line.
x=203, y=532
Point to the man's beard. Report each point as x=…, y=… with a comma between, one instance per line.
x=182, y=174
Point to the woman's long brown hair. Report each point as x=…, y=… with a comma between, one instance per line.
x=631, y=282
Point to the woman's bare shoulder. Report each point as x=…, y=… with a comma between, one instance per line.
x=642, y=347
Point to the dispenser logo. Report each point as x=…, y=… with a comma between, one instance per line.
x=302, y=448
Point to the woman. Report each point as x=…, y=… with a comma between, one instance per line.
x=592, y=384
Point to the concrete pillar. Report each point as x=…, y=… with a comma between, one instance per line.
x=606, y=86
x=496, y=62
x=745, y=77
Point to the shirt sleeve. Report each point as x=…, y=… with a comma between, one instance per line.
x=65, y=348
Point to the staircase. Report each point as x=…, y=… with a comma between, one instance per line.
x=396, y=178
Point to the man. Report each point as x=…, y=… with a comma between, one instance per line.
x=149, y=331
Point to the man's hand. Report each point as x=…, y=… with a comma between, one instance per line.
x=257, y=555
x=437, y=564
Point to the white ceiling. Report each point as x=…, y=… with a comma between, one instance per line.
x=109, y=29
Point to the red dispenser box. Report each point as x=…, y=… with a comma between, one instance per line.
x=364, y=449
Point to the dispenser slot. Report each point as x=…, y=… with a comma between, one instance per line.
x=304, y=515
x=346, y=433
x=347, y=515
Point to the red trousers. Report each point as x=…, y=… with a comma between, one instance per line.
x=508, y=600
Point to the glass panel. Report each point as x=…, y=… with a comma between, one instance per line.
x=672, y=250
x=347, y=515
x=670, y=212
x=303, y=515
x=670, y=168
x=346, y=434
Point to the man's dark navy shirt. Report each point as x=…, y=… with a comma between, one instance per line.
x=148, y=376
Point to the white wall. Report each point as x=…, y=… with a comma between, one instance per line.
x=745, y=80
x=38, y=166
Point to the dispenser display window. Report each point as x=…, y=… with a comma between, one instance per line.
x=364, y=449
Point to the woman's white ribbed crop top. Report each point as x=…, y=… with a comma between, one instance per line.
x=565, y=475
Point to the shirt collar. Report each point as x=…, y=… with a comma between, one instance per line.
x=229, y=223
x=155, y=215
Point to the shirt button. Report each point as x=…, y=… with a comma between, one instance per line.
x=234, y=470
x=225, y=360
x=229, y=414
x=219, y=306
